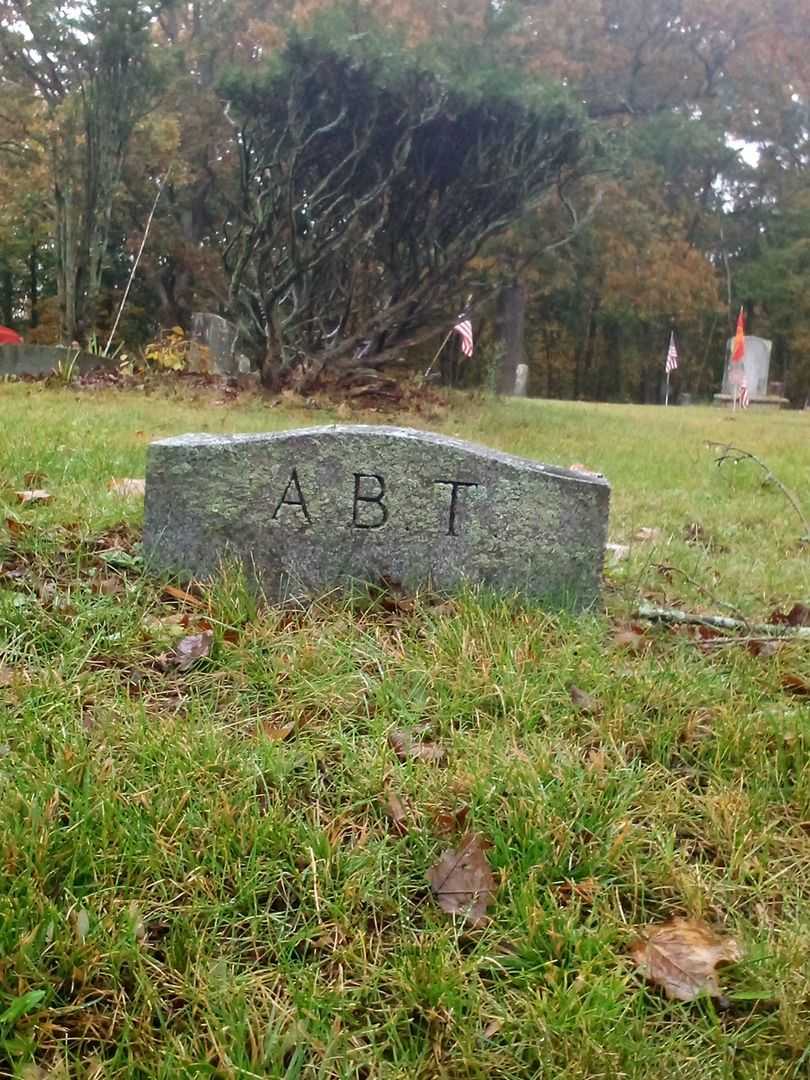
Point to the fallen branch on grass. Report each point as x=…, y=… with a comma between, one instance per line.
x=735, y=454
x=720, y=622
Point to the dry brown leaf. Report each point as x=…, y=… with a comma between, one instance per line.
x=127, y=487
x=596, y=760
x=681, y=956
x=796, y=684
x=799, y=615
x=7, y=675
x=395, y=809
x=36, y=495
x=463, y=881
x=449, y=822
x=17, y=528
x=112, y=585
x=276, y=732
x=765, y=647
x=631, y=638
x=492, y=1028
x=583, y=701
x=191, y=649
x=405, y=746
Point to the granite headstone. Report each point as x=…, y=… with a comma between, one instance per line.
x=310, y=511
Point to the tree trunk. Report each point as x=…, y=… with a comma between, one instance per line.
x=510, y=323
x=33, y=285
x=7, y=295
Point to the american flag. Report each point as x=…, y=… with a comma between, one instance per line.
x=745, y=401
x=672, y=354
x=464, y=331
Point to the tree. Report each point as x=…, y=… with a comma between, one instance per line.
x=368, y=185
x=90, y=65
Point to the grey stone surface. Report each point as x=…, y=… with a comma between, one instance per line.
x=213, y=345
x=755, y=364
x=312, y=510
x=44, y=359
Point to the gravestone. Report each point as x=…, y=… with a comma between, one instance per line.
x=756, y=364
x=213, y=345
x=310, y=511
x=521, y=380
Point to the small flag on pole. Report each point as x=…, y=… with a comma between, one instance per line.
x=745, y=401
x=738, y=349
x=465, y=332
x=672, y=354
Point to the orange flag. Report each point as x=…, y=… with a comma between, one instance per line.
x=738, y=349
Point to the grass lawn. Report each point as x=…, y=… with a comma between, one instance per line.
x=199, y=871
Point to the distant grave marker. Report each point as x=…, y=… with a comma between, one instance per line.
x=314, y=510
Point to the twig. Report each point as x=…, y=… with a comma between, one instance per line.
x=734, y=453
x=665, y=568
x=163, y=183
x=720, y=622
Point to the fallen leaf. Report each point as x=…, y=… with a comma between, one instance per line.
x=395, y=809
x=112, y=585
x=631, y=638
x=191, y=649
x=799, y=615
x=183, y=596
x=276, y=732
x=492, y=1028
x=405, y=746
x=453, y=821
x=682, y=955
x=127, y=487
x=463, y=881
x=17, y=528
x=765, y=647
x=796, y=684
x=647, y=533
x=7, y=675
x=618, y=551
x=583, y=701
x=596, y=760
x=37, y=495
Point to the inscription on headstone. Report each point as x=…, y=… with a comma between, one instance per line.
x=317, y=509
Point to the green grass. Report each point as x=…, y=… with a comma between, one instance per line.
x=184, y=895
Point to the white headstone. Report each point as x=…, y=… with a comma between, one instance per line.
x=755, y=365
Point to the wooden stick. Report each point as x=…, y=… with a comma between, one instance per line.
x=720, y=622
x=137, y=259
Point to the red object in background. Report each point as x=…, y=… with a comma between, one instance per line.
x=9, y=337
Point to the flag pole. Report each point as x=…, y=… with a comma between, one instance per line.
x=666, y=399
x=438, y=352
